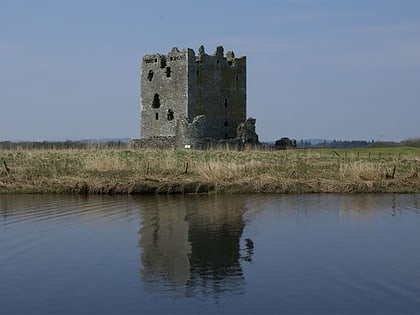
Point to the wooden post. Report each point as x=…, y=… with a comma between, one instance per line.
x=391, y=176
x=6, y=167
x=186, y=168
x=393, y=171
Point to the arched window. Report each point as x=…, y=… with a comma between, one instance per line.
x=162, y=62
x=156, y=101
x=170, y=114
x=150, y=75
x=168, y=72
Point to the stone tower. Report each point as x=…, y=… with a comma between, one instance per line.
x=188, y=99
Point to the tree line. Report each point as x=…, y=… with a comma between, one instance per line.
x=337, y=144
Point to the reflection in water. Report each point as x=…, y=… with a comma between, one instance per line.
x=195, y=250
x=214, y=234
x=164, y=244
x=310, y=254
x=368, y=204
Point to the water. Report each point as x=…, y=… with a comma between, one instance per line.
x=210, y=254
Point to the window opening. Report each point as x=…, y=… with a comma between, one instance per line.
x=226, y=102
x=198, y=72
x=150, y=75
x=170, y=114
x=156, y=116
x=226, y=123
x=237, y=78
x=217, y=61
x=156, y=101
x=168, y=72
x=162, y=62
x=226, y=135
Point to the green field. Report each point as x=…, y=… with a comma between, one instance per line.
x=112, y=171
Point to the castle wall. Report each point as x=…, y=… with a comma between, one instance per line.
x=219, y=84
x=164, y=93
x=181, y=86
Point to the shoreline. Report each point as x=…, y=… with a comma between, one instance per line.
x=122, y=171
x=153, y=187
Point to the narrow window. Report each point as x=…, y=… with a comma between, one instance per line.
x=237, y=78
x=162, y=62
x=226, y=136
x=156, y=101
x=170, y=114
x=198, y=72
x=225, y=102
x=156, y=116
x=168, y=72
x=217, y=61
x=226, y=123
x=150, y=75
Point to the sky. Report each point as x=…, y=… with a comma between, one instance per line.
x=344, y=70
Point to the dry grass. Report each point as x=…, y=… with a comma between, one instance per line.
x=362, y=170
x=180, y=171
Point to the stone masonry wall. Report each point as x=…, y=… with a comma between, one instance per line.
x=220, y=84
x=164, y=89
x=192, y=98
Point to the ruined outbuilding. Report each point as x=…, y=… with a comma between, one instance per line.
x=190, y=100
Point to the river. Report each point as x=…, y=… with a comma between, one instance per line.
x=278, y=254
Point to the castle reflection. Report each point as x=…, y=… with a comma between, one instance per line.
x=192, y=245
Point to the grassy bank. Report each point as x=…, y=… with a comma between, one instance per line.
x=380, y=170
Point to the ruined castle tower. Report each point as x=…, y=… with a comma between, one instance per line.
x=188, y=98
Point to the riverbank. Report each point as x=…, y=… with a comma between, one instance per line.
x=122, y=171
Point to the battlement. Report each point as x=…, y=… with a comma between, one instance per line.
x=218, y=57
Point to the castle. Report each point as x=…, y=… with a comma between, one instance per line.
x=189, y=100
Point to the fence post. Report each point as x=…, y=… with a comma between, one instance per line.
x=6, y=167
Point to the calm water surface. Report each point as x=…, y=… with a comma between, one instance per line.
x=210, y=254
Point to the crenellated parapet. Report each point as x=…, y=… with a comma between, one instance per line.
x=218, y=57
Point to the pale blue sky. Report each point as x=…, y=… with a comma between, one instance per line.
x=316, y=69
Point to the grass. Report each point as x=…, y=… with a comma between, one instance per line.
x=115, y=171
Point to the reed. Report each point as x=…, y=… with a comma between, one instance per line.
x=127, y=170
